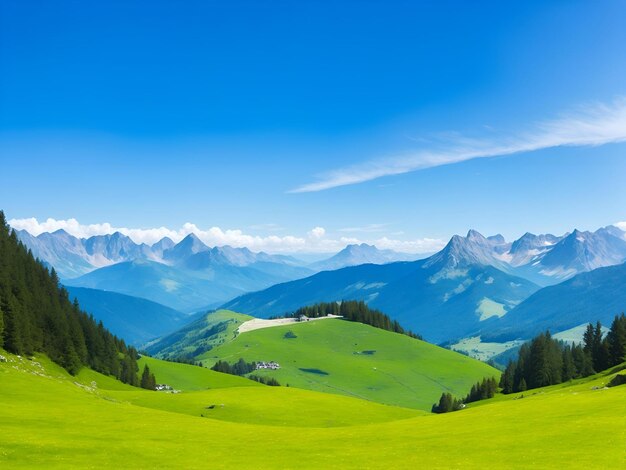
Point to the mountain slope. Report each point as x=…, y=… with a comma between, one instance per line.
x=442, y=298
x=199, y=336
x=175, y=288
x=134, y=319
x=596, y=295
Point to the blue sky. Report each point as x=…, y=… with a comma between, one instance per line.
x=265, y=120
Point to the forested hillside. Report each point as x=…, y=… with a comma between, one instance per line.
x=353, y=310
x=36, y=315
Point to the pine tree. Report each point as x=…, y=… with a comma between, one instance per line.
x=147, y=379
x=569, y=369
x=507, y=378
x=445, y=403
x=1, y=327
x=589, y=339
x=600, y=351
x=12, y=329
x=616, y=339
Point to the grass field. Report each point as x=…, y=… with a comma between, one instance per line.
x=187, y=377
x=46, y=419
x=353, y=359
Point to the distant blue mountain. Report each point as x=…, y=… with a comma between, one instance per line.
x=177, y=287
x=354, y=255
x=588, y=297
x=135, y=320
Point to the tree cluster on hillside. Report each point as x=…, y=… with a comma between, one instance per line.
x=546, y=361
x=608, y=351
x=188, y=359
x=354, y=310
x=242, y=368
x=36, y=315
x=447, y=403
x=482, y=390
x=271, y=381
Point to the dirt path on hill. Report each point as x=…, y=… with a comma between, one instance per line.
x=258, y=323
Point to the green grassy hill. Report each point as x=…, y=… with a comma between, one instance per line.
x=187, y=378
x=50, y=419
x=201, y=335
x=341, y=357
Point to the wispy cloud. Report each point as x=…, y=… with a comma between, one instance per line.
x=315, y=240
x=590, y=125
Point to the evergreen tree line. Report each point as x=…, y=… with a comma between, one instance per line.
x=487, y=388
x=546, y=361
x=354, y=310
x=242, y=368
x=447, y=403
x=482, y=390
x=36, y=315
x=271, y=381
x=186, y=359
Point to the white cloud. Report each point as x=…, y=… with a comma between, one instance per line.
x=591, y=125
x=317, y=233
x=621, y=226
x=315, y=241
x=424, y=245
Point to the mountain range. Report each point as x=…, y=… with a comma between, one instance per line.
x=543, y=259
x=476, y=284
x=470, y=286
x=354, y=255
x=187, y=275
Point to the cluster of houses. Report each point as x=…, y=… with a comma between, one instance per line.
x=268, y=365
x=165, y=388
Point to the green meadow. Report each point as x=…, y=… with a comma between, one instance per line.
x=51, y=419
x=356, y=360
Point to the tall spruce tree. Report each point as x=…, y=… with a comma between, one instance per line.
x=148, y=380
x=1, y=327
x=616, y=340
